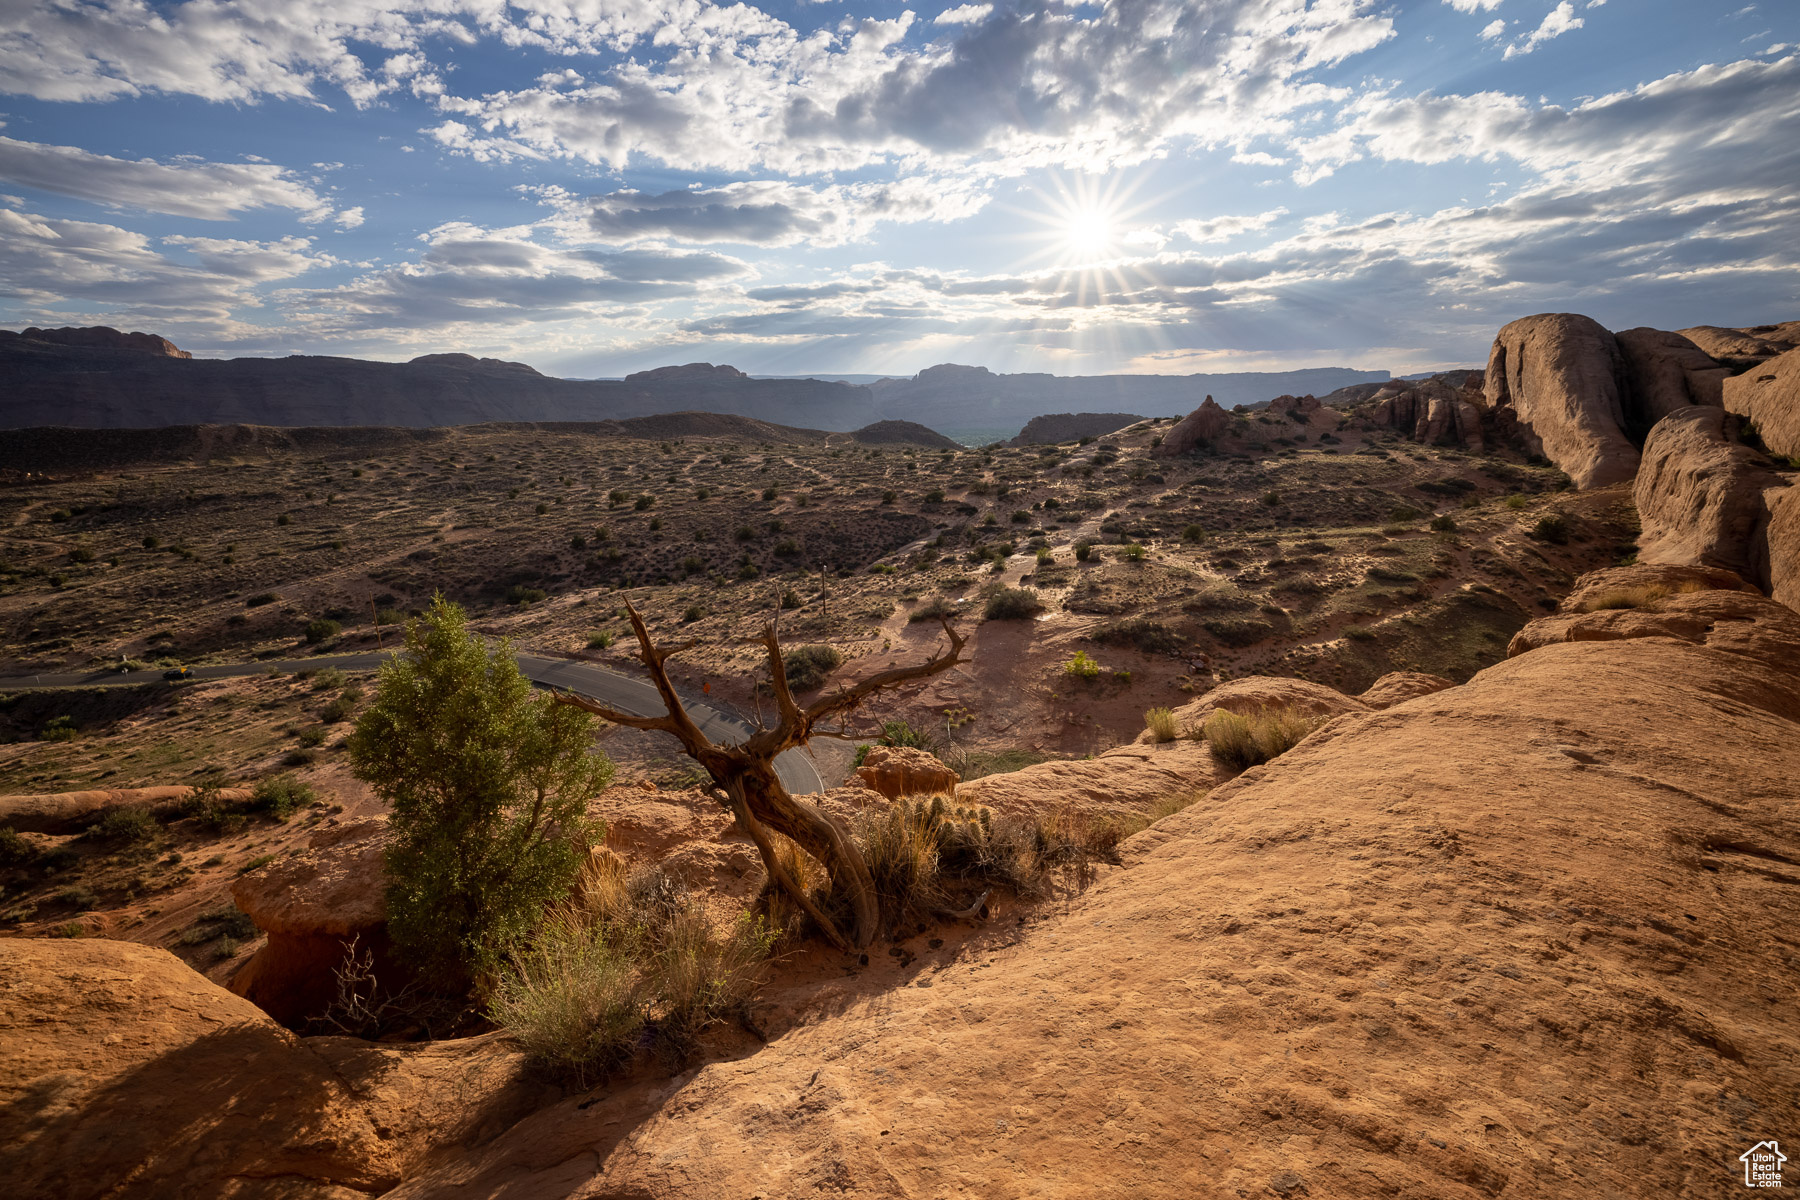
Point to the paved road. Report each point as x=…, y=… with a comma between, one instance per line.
x=635, y=696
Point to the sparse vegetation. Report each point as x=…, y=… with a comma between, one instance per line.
x=808, y=666
x=1160, y=724
x=1244, y=740
x=1013, y=604
x=1081, y=666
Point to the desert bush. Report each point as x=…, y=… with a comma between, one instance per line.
x=281, y=796
x=327, y=679
x=1645, y=596
x=790, y=599
x=933, y=609
x=599, y=639
x=260, y=599
x=522, y=595
x=1516, y=501
x=1084, y=550
x=699, y=974
x=1145, y=633
x=1271, y=499
x=15, y=851
x=1160, y=722
x=644, y=503
x=321, y=629
x=1013, y=604
x=1444, y=523
x=488, y=785
x=1132, y=552
x=1080, y=666
x=1553, y=528
x=971, y=763
x=572, y=997
x=311, y=738
x=126, y=823
x=692, y=613
x=339, y=708
x=807, y=666
x=1241, y=741
x=58, y=729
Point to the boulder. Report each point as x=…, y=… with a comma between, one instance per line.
x=1769, y=396
x=1557, y=376
x=1732, y=619
x=1525, y=937
x=1701, y=495
x=1591, y=589
x=1750, y=344
x=1130, y=779
x=897, y=771
x=1397, y=687
x=1257, y=692
x=1199, y=428
x=312, y=905
x=126, y=1074
x=1665, y=372
x=1784, y=547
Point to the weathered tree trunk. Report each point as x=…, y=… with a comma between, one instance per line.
x=746, y=773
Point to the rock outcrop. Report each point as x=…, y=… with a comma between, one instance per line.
x=1520, y=938
x=1199, y=428
x=897, y=771
x=1703, y=497
x=126, y=1075
x=1750, y=344
x=72, y=812
x=1556, y=379
x=1665, y=372
x=312, y=905
x=1434, y=412
x=1397, y=687
x=1784, y=547
x=1069, y=427
x=1769, y=396
x=902, y=433
x=1129, y=779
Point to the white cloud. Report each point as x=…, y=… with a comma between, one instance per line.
x=1470, y=6
x=350, y=218
x=206, y=190
x=1221, y=229
x=1556, y=22
x=963, y=14
x=1493, y=29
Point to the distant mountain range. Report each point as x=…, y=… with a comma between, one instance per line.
x=99, y=378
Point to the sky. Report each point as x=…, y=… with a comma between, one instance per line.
x=598, y=186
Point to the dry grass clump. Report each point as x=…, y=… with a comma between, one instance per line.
x=1160, y=722
x=1646, y=596
x=632, y=959
x=1244, y=740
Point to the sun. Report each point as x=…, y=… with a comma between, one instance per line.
x=1088, y=230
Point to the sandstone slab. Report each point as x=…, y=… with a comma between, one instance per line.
x=1701, y=495
x=1665, y=372
x=1769, y=396
x=1559, y=377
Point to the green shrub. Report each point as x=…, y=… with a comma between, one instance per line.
x=699, y=975
x=322, y=629
x=1271, y=499
x=1160, y=722
x=599, y=639
x=1133, y=552
x=1013, y=604
x=1193, y=533
x=487, y=783
x=1144, y=633
x=126, y=823
x=1403, y=513
x=15, y=851
x=936, y=608
x=260, y=599
x=1241, y=741
x=1553, y=528
x=807, y=666
x=281, y=796
x=327, y=679
x=644, y=503
x=790, y=599
x=692, y=613
x=338, y=709
x=572, y=998
x=58, y=729
x=1080, y=666
x=1516, y=501
x=522, y=595
x=310, y=738
x=1084, y=550
x=1444, y=523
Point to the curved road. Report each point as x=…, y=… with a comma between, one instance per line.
x=622, y=692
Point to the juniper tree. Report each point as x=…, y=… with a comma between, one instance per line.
x=488, y=783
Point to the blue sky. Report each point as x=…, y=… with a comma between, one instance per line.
x=597, y=186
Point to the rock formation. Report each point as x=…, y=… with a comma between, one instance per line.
x=1665, y=372
x=1769, y=395
x=1557, y=379
x=1751, y=344
x=1510, y=939
x=1703, y=496
x=71, y=812
x=1126, y=779
x=701, y=371
x=1069, y=427
x=1434, y=412
x=902, y=433
x=897, y=771
x=311, y=905
x=1397, y=687
x=1200, y=427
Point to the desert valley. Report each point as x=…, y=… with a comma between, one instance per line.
x=1385, y=793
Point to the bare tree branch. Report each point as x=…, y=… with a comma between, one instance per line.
x=779, y=873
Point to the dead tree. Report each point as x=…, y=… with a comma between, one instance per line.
x=746, y=772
